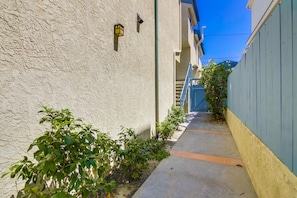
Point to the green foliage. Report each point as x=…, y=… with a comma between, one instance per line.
x=72, y=159
x=166, y=128
x=176, y=116
x=137, y=152
x=214, y=79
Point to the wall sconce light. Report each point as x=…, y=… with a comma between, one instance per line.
x=139, y=21
x=118, y=30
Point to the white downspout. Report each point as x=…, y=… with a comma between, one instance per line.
x=202, y=35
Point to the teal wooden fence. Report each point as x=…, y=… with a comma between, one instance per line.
x=262, y=89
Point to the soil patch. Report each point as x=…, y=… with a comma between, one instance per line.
x=126, y=187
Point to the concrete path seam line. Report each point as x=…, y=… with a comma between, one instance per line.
x=209, y=131
x=208, y=158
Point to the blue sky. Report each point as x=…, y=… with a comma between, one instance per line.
x=228, y=26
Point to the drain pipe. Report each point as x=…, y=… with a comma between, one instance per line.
x=156, y=64
x=202, y=36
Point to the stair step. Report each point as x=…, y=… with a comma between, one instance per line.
x=179, y=84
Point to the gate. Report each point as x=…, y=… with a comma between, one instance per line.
x=197, y=93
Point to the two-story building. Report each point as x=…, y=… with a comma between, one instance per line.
x=72, y=55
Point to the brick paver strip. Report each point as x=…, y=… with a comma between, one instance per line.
x=208, y=131
x=208, y=158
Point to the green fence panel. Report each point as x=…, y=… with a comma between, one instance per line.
x=294, y=22
x=286, y=83
x=262, y=89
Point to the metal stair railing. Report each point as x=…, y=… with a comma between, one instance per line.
x=183, y=94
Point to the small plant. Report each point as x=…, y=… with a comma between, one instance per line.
x=176, y=116
x=166, y=128
x=137, y=152
x=214, y=79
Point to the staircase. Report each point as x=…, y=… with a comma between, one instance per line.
x=179, y=87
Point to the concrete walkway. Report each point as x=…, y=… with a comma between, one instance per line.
x=204, y=162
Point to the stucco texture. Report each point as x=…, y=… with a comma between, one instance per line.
x=189, y=43
x=258, y=8
x=270, y=177
x=61, y=54
x=168, y=42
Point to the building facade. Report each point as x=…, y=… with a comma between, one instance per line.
x=192, y=37
x=64, y=54
x=188, y=64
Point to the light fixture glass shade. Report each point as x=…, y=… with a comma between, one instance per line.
x=119, y=30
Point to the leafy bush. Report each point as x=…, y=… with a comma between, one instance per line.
x=137, y=152
x=72, y=159
x=176, y=116
x=214, y=79
x=166, y=128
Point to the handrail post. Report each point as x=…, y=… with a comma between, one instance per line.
x=186, y=86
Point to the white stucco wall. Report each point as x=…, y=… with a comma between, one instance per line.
x=261, y=11
x=169, y=41
x=189, y=44
x=61, y=54
x=258, y=8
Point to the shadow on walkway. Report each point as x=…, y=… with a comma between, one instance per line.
x=204, y=162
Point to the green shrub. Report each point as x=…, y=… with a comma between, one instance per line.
x=166, y=128
x=137, y=152
x=176, y=116
x=72, y=159
x=214, y=79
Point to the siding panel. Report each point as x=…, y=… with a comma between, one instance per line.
x=294, y=86
x=286, y=84
x=243, y=91
x=248, y=71
x=257, y=77
x=273, y=81
x=263, y=90
x=247, y=88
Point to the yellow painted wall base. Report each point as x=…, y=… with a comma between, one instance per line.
x=270, y=177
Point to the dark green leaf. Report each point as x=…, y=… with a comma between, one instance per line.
x=135, y=175
x=62, y=195
x=3, y=175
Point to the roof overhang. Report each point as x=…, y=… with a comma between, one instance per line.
x=195, y=8
x=250, y=4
